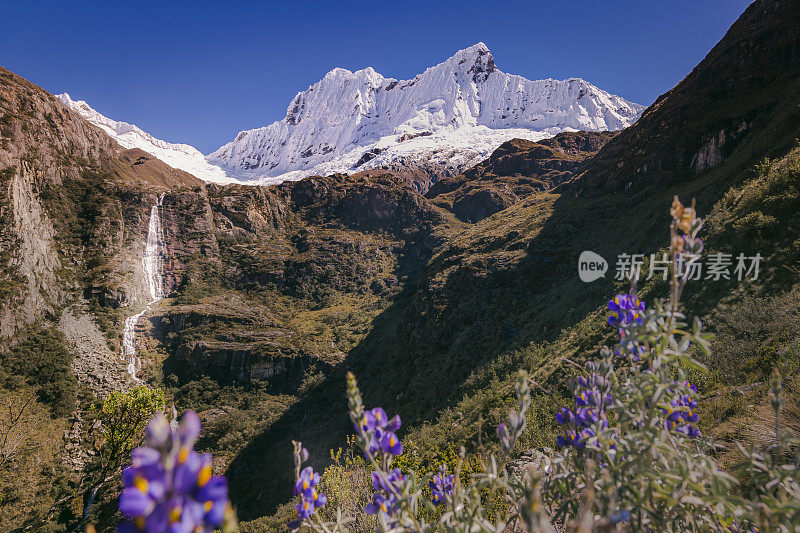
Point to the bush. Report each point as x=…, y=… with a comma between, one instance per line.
x=124, y=416
x=33, y=474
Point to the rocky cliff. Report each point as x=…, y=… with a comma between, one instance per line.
x=74, y=211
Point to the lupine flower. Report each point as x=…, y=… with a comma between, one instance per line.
x=620, y=516
x=393, y=481
x=382, y=505
x=625, y=309
x=504, y=436
x=307, y=481
x=679, y=415
x=630, y=349
x=684, y=217
x=391, y=444
x=387, y=487
x=442, y=486
x=310, y=499
x=169, y=486
x=589, y=413
x=381, y=431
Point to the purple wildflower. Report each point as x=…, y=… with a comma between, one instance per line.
x=630, y=349
x=505, y=436
x=588, y=416
x=442, y=486
x=391, y=444
x=625, y=309
x=679, y=415
x=307, y=481
x=310, y=499
x=387, y=487
x=169, y=486
x=381, y=432
x=381, y=504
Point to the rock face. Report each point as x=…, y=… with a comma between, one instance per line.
x=364, y=201
x=231, y=362
x=447, y=118
x=246, y=211
x=253, y=348
x=514, y=171
x=94, y=364
x=188, y=228
x=36, y=261
x=32, y=122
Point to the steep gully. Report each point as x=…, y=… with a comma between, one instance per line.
x=152, y=263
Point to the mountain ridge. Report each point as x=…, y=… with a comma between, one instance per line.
x=465, y=98
x=747, y=82
x=178, y=155
x=441, y=122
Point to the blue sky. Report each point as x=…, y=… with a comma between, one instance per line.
x=200, y=72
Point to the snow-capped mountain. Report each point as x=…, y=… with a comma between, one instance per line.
x=449, y=117
x=180, y=156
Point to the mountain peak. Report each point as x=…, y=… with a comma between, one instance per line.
x=476, y=61
x=476, y=49
x=364, y=120
x=337, y=72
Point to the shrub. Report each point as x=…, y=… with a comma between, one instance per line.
x=124, y=416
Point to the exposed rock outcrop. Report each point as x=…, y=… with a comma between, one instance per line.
x=188, y=226
x=514, y=171
x=94, y=364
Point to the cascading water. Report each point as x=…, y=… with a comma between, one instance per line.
x=152, y=264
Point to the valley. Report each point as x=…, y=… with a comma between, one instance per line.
x=246, y=284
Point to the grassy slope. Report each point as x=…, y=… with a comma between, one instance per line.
x=504, y=293
x=471, y=392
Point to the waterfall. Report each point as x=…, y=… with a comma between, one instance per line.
x=152, y=264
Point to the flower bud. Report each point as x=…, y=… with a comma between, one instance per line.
x=157, y=434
